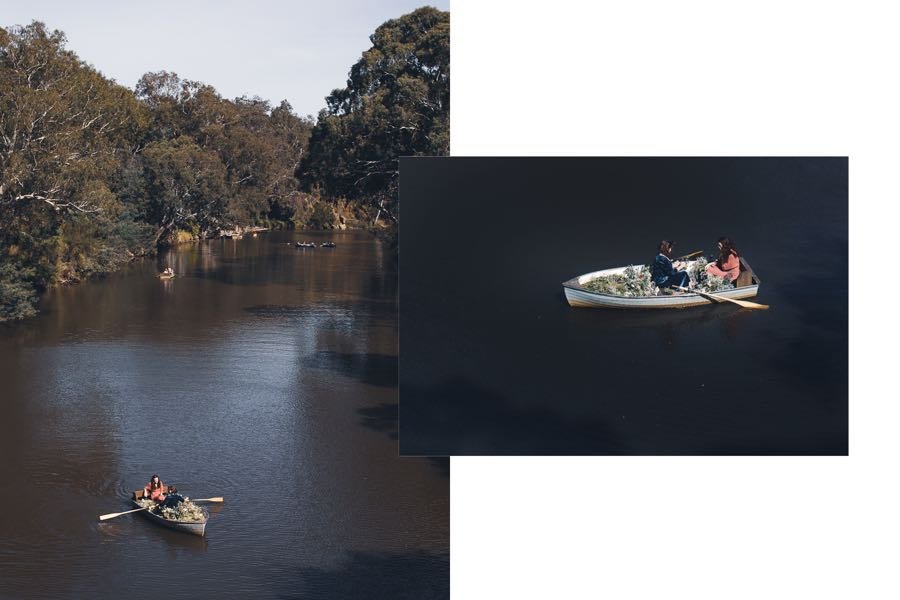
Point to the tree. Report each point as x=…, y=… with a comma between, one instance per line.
x=396, y=103
x=60, y=124
x=186, y=186
x=258, y=146
x=290, y=140
x=63, y=129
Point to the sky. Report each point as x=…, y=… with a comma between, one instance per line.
x=274, y=49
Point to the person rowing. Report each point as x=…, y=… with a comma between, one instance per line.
x=667, y=274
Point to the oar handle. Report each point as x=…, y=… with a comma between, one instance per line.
x=690, y=255
x=700, y=293
x=119, y=514
x=690, y=291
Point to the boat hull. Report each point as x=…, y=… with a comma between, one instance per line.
x=579, y=297
x=193, y=528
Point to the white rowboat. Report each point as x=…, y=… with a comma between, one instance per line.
x=578, y=296
x=192, y=527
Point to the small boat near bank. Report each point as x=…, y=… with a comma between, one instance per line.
x=192, y=527
x=577, y=295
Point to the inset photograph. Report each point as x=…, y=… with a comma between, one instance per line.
x=646, y=306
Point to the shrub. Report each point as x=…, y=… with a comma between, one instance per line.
x=17, y=293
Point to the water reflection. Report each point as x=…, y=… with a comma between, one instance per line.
x=381, y=418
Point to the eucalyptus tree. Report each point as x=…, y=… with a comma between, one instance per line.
x=396, y=103
x=258, y=146
x=61, y=124
x=186, y=187
x=63, y=129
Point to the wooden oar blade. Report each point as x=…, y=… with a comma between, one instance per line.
x=216, y=499
x=720, y=299
x=748, y=304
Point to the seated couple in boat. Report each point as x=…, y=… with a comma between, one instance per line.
x=162, y=494
x=668, y=273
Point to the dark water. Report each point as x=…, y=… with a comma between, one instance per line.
x=494, y=361
x=262, y=373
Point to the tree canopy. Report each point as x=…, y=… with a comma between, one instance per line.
x=396, y=103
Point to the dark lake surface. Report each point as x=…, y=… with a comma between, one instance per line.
x=494, y=361
x=262, y=373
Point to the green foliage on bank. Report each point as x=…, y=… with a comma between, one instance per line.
x=17, y=293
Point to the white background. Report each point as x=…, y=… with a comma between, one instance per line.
x=694, y=78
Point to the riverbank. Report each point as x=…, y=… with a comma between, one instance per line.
x=20, y=290
x=304, y=212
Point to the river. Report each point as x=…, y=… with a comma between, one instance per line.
x=263, y=373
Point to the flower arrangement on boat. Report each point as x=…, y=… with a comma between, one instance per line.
x=636, y=281
x=183, y=511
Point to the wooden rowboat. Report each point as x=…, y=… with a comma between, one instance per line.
x=166, y=275
x=192, y=527
x=577, y=295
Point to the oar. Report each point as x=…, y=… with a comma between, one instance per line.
x=717, y=298
x=119, y=514
x=690, y=255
